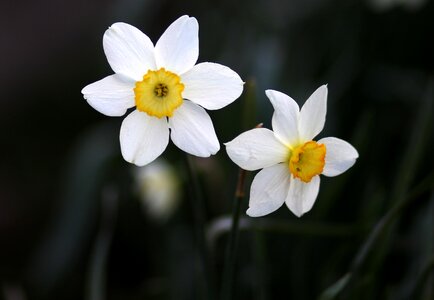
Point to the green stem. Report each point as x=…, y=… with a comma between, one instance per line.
x=231, y=250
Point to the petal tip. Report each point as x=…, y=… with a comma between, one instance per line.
x=296, y=212
x=183, y=17
x=269, y=92
x=187, y=18
x=324, y=88
x=193, y=20
x=116, y=26
x=251, y=213
x=86, y=90
x=215, y=151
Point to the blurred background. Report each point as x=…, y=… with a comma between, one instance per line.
x=78, y=222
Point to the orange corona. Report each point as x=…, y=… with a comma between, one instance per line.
x=307, y=160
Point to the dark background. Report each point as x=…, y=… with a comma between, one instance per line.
x=70, y=217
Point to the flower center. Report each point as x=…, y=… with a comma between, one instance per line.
x=307, y=160
x=159, y=93
x=161, y=90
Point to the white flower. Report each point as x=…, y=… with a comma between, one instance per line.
x=159, y=189
x=158, y=80
x=290, y=159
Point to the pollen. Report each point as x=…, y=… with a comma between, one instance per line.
x=307, y=160
x=159, y=94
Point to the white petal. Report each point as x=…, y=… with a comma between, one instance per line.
x=211, y=85
x=269, y=189
x=177, y=49
x=313, y=113
x=129, y=51
x=340, y=156
x=302, y=196
x=256, y=149
x=192, y=130
x=143, y=138
x=111, y=96
x=285, y=117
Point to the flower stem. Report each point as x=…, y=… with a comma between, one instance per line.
x=231, y=250
x=197, y=203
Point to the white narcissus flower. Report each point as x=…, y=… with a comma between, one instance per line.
x=158, y=80
x=290, y=160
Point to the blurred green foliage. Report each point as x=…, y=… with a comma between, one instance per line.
x=72, y=225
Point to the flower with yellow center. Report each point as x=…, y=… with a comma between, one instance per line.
x=167, y=87
x=159, y=93
x=291, y=161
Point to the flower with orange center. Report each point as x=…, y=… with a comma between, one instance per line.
x=167, y=87
x=307, y=160
x=291, y=161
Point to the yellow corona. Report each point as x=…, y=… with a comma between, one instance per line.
x=307, y=160
x=159, y=93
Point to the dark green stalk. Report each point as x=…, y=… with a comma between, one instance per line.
x=231, y=250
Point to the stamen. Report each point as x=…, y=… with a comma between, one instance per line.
x=161, y=90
